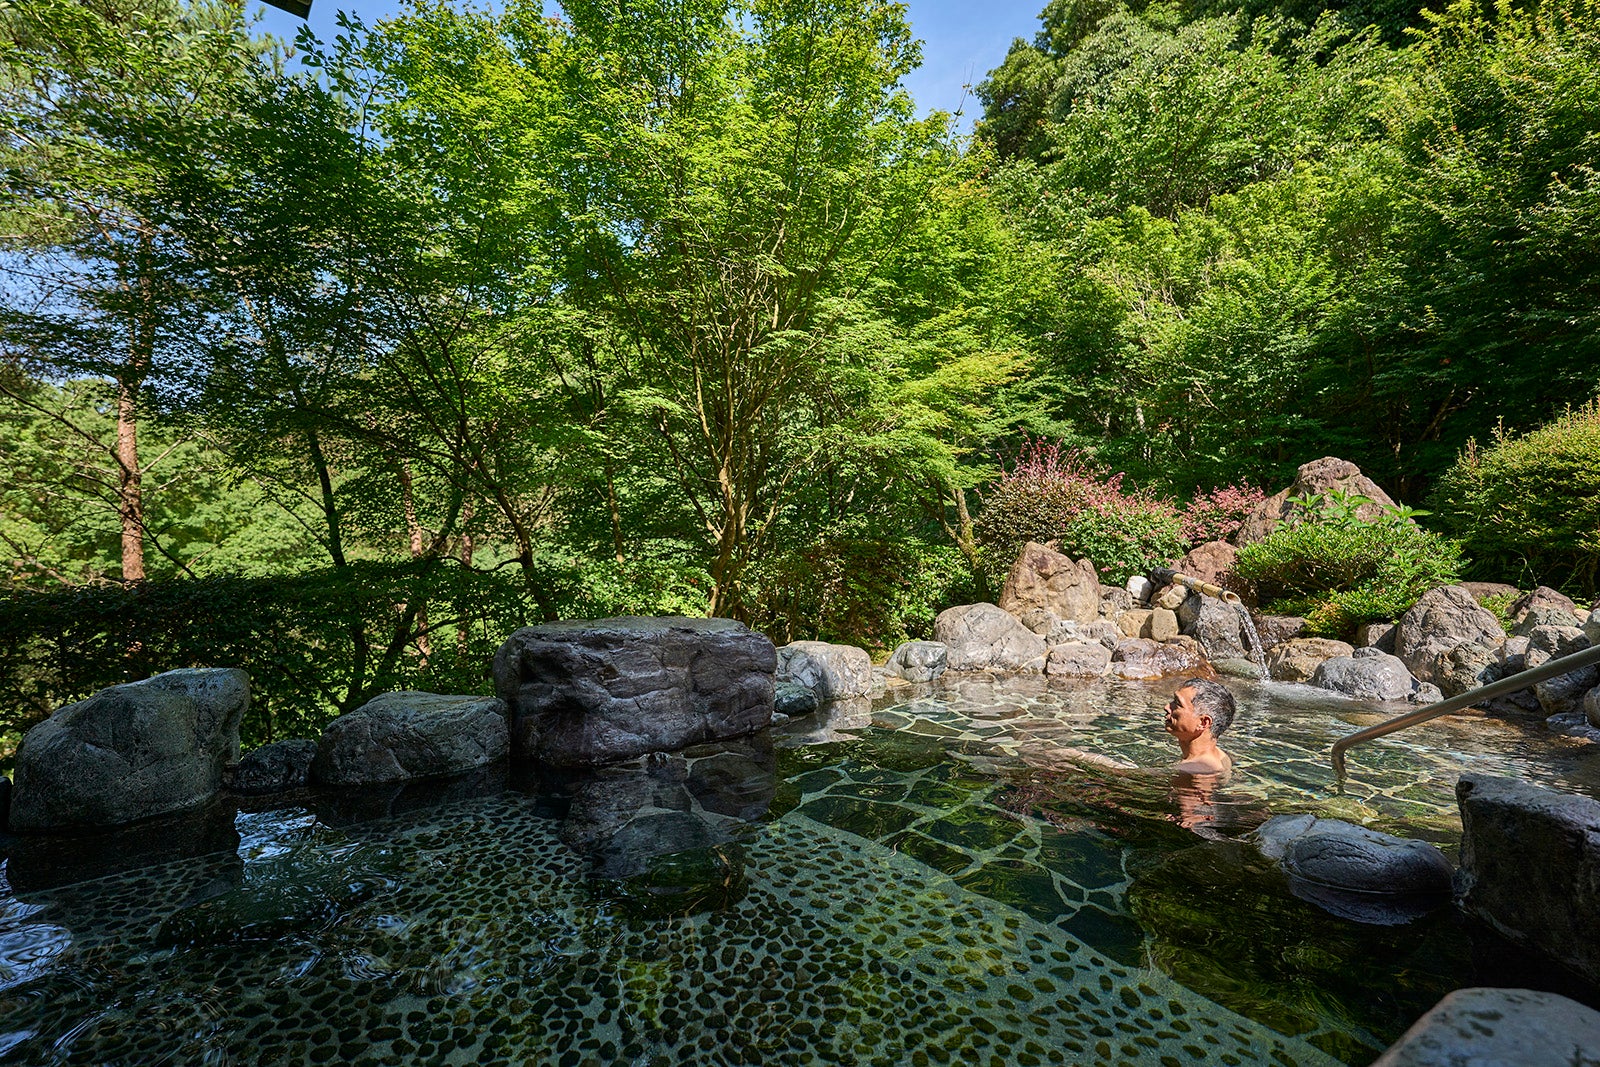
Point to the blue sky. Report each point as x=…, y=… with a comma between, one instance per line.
x=961, y=41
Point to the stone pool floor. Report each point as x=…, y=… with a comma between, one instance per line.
x=952, y=875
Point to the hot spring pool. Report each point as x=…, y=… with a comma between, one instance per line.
x=933, y=879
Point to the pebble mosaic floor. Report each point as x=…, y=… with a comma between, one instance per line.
x=893, y=901
x=472, y=936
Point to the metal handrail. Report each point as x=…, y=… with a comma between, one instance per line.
x=1576, y=661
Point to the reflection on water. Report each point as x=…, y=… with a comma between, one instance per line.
x=983, y=876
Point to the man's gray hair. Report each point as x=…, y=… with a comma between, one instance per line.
x=1213, y=699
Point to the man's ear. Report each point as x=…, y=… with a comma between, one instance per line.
x=1205, y=721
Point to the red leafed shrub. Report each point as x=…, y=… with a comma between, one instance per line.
x=1051, y=493
x=1217, y=515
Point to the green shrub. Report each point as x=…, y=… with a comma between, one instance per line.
x=1056, y=495
x=315, y=644
x=858, y=590
x=1527, y=509
x=1339, y=574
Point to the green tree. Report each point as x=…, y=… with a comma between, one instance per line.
x=99, y=102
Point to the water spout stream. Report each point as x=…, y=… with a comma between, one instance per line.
x=1258, y=654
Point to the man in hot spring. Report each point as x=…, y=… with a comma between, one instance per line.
x=1199, y=711
x=1197, y=714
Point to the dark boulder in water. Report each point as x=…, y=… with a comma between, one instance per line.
x=398, y=736
x=588, y=693
x=1357, y=873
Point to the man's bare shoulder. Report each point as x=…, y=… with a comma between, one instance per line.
x=1218, y=762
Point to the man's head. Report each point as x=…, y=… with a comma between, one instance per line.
x=1199, y=705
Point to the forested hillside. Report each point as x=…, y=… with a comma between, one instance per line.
x=336, y=359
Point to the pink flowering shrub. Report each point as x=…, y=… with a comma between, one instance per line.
x=1051, y=493
x=1217, y=515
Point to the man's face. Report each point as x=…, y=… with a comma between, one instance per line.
x=1183, y=721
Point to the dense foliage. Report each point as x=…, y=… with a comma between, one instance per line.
x=1338, y=571
x=682, y=306
x=1528, y=506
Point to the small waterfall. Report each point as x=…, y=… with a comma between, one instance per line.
x=1257, y=653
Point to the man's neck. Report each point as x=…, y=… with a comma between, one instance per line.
x=1202, y=748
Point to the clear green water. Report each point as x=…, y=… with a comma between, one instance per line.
x=951, y=885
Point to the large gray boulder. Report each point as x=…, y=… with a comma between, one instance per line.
x=1141, y=659
x=398, y=736
x=1546, y=643
x=1368, y=674
x=1443, y=619
x=275, y=768
x=1080, y=659
x=1482, y=1027
x=983, y=637
x=1354, y=872
x=591, y=692
x=833, y=672
x=130, y=752
x=1542, y=599
x=1044, y=578
x=1210, y=562
x=1535, y=617
x=1297, y=659
x=1318, y=476
x=1466, y=667
x=1566, y=692
x=918, y=661
x=1274, y=630
x=1530, y=866
x=1216, y=625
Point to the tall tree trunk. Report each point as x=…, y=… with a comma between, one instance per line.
x=330, y=510
x=130, y=489
x=408, y=502
x=464, y=627
x=616, y=514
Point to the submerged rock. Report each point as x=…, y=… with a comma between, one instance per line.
x=397, y=736
x=130, y=752
x=1357, y=873
x=591, y=692
x=1499, y=1026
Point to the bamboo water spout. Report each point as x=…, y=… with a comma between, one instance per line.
x=1167, y=576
